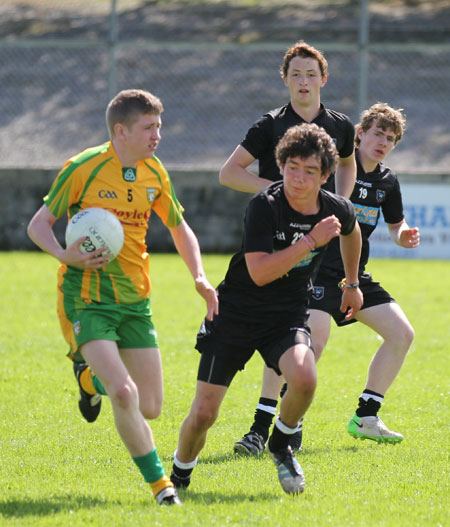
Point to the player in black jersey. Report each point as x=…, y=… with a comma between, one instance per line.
x=264, y=296
x=304, y=72
x=376, y=189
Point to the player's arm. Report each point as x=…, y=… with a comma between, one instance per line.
x=265, y=268
x=402, y=235
x=188, y=248
x=352, y=298
x=40, y=231
x=345, y=176
x=234, y=173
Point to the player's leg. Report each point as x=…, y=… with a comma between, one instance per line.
x=390, y=322
x=104, y=358
x=253, y=442
x=319, y=323
x=298, y=367
x=144, y=366
x=219, y=362
x=202, y=415
x=297, y=364
x=90, y=391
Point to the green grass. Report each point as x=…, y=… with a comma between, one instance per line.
x=55, y=469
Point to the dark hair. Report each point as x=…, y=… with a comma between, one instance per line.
x=385, y=117
x=306, y=140
x=128, y=105
x=304, y=50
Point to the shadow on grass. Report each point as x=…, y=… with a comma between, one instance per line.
x=209, y=497
x=218, y=459
x=19, y=508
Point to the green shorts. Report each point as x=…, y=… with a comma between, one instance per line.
x=130, y=326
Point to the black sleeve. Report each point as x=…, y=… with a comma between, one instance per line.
x=347, y=217
x=349, y=142
x=259, y=137
x=258, y=226
x=392, y=207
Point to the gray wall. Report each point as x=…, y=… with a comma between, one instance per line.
x=214, y=212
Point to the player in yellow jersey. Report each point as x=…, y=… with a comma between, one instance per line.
x=104, y=307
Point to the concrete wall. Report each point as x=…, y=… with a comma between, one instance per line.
x=214, y=212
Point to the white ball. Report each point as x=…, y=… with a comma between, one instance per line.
x=102, y=228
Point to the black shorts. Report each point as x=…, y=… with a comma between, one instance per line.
x=226, y=346
x=327, y=297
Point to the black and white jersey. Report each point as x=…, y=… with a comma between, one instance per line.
x=264, y=135
x=374, y=192
x=270, y=225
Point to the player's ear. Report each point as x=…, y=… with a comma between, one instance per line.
x=119, y=130
x=324, y=178
x=324, y=81
x=359, y=131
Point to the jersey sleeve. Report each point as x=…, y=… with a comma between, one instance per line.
x=347, y=216
x=348, y=145
x=65, y=190
x=392, y=207
x=258, y=139
x=166, y=205
x=258, y=226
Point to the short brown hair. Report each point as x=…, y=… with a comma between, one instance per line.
x=385, y=117
x=128, y=105
x=304, y=50
x=306, y=140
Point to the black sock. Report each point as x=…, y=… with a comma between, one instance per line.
x=182, y=473
x=369, y=405
x=279, y=440
x=263, y=417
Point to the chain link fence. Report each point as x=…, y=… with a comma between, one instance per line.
x=216, y=69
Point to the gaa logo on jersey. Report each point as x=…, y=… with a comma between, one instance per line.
x=381, y=194
x=318, y=292
x=129, y=174
x=77, y=327
x=151, y=193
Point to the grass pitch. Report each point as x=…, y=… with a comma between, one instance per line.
x=55, y=469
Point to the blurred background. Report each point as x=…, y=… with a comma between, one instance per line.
x=215, y=65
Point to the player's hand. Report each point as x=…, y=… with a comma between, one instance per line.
x=352, y=300
x=207, y=291
x=75, y=257
x=410, y=238
x=325, y=230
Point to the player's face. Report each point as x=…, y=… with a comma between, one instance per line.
x=143, y=137
x=376, y=143
x=302, y=177
x=304, y=81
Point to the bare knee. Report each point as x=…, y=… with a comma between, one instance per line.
x=203, y=415
x=409, y=336
x=403, y=338
x=151, y=408
x=124, y=394
x=304, y=382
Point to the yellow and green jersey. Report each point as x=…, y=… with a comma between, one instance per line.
x=96, y=178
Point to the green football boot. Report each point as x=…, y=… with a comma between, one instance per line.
x=372, y=427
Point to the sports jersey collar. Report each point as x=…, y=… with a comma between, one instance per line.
x=379, y=169
x=112, y=151
x=278, y=186
x=322, y=111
